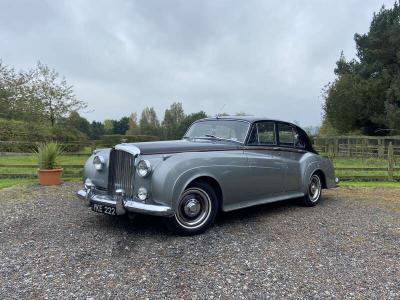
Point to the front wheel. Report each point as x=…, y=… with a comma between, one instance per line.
x=196, y=210
x=314, y=189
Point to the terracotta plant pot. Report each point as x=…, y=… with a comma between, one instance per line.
x=50, y=177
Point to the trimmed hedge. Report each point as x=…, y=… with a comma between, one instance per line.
x=111, y=140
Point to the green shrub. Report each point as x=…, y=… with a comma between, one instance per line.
x=48, y=154
x=72, y=139
x=12, y=130
x=20, y=136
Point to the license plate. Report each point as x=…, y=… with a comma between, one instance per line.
x=104, y=209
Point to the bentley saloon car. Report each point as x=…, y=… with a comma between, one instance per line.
x=221, y=164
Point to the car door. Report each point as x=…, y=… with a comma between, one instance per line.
x=291, y=151
x=266, y=168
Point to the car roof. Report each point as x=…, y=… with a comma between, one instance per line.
x=250, y=119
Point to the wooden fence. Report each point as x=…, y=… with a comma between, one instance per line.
x=357, y=146
x=29, y=171
x=384, y=148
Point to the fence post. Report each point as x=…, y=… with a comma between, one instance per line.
x=390, y=161
x=348, y=147
x=92, y=147
x=381, y=148
x=364, y=148
x=336, y=147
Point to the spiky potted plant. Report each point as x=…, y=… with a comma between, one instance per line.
x=49, y=171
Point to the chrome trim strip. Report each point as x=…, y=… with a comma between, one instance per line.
x=128, y=148
x=274, y=148
x=131, y=205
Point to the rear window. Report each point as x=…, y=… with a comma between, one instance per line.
x=286, y=135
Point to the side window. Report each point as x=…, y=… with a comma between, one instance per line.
x=300, y=140
x=286, y=135
x=266, y=133
x=263, y=133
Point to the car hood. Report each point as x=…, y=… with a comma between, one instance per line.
x=178, y=146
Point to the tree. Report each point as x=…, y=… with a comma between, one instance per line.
x=173, y=117
x=17, y=98
x=327, y=128
x=133, y=125
x=108, y=126
x=133, y=121
x=56, y=95
x=120, y=126
x=189, y=119
x=366, y=92
x=149, y=123
x=96, y=130
x=74, y=120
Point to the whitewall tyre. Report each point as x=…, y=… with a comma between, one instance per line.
x=196, y=210
x=314, y=190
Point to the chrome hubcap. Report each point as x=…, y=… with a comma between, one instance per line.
x=194, y=208
x=314, y=190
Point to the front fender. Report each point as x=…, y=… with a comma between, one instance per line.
x=174, y=174
x=99, y=178
x=171, y=177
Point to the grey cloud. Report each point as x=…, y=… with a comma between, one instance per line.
x=267, y=58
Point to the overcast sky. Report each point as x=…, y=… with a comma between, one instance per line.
x=265, y=58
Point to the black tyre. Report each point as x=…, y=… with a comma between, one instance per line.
x=196, y=210
x=314, y=190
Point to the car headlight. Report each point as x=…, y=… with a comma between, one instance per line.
x=98, y=162
x=143, y=168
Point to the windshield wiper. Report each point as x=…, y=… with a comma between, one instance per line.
x=220, y=138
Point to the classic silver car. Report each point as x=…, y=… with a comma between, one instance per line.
x=220, y=164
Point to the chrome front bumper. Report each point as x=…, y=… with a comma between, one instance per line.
x=124, y=205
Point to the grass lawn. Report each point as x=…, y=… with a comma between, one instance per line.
x=359, y=163
x=369, y=184
x=31, y=159
x=9, y=182
x=66, y=160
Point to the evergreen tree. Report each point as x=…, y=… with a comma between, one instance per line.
x=366, y=93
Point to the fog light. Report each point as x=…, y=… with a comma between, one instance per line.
x=142, y=193
x=88, y=184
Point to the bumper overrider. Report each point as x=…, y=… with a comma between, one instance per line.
x=123, y=205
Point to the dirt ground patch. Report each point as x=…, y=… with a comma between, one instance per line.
x=347, y=246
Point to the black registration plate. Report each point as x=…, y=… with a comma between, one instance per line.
x=104, y=209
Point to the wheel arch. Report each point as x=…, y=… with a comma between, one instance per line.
x=213, y=183
x=322, y=176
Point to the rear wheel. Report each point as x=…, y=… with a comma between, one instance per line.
x=314, y=190
x=196, y=210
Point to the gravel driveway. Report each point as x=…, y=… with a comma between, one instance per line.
x=348, y=246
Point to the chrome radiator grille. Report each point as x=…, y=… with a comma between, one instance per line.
x=121, y=172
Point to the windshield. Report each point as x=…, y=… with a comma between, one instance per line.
x=232, y=130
